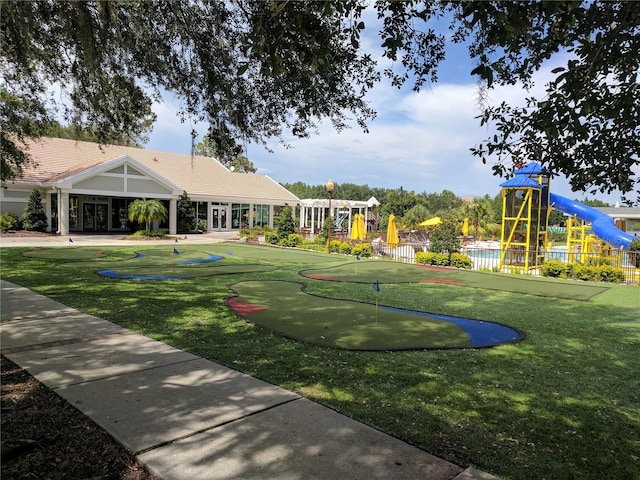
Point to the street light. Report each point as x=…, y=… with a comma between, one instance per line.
x=329, y=187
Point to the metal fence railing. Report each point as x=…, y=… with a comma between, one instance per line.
x=488, y=258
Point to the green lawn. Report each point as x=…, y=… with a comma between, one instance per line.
x=563, y=403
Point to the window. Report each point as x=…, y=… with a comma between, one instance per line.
x=240, y=215
x=260, y=215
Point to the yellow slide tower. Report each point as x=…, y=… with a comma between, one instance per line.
x=525, y=214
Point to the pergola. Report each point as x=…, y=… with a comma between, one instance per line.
x=314, y=212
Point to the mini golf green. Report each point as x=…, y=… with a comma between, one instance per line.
x=65, y=253
x=285, y=308
x=371, y=271
x=272, y=254
x=161, y=263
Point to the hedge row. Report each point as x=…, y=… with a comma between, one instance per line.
x=594, y=273
x=457, y=260
x=359, y=249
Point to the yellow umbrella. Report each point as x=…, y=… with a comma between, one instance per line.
x=354, y=228
x=392, y=232
x=431, y=222
x=362, y=228
x=465, y=227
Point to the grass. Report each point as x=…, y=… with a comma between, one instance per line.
x=563, y=403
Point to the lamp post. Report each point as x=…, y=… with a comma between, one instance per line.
x=329, y=187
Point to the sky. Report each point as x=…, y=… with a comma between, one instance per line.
x=418, y=141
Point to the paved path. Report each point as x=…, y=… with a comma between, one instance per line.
x=186, y=417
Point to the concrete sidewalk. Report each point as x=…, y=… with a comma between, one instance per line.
x=186, y=417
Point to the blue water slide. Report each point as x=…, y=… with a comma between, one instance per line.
x=601, y=224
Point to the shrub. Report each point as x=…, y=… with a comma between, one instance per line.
x=34, y=218
x=345, y=248
x=444, y=238
x=292, y=240
x=9, y=221
x=609, y=273
x=271, y=238
x=585, y=272
x=334, y=247
x=252, y=233
x=186, y=214
x=362, y=250
x=285, y=224
x=142, y=234
x=201, y=225
x=553, y=268
x=460, y=260
x=432, y=258
x=634, y=255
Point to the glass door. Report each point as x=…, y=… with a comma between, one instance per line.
x=95, y=217
x=219, y=219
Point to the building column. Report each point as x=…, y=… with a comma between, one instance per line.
x=173, y=216
x=63, y=213
x=47, y=209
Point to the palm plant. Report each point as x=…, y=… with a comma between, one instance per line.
x=147, y=211
x=479, y=211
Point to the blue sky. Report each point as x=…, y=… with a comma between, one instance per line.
x=419, y=141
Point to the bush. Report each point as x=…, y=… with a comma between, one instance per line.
x=285, y=224
x=186, y=214
x=271, y=238
x=292, y=240
x=34, y=218
x=460, y=260
x=345, y=248
x=585, y=272
x=334, y=247
x=609, y=273
x=362, y=250
x=634, y=255
x=9, y=221
x=554, y=268
x=432, y=258
x=142, y=234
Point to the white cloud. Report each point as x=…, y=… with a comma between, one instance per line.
x=419, y=141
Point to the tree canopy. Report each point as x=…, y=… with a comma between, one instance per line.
x=230, y=158
x=254, y=70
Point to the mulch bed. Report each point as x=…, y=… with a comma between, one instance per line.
x=43, y=436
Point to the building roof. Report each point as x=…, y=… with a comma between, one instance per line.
x=629, y=213
x=56, y=159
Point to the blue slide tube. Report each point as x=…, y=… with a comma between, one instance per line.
x=601, y=224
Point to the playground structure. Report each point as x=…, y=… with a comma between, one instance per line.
x=592, y=236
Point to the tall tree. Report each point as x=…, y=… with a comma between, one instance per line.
x=260, y=69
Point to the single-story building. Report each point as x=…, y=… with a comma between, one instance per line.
x=88, y=187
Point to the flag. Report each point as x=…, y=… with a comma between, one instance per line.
x=175, y=251
x=357, y=257
x=176, y=240
x=376, y=286
x=70, y=241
